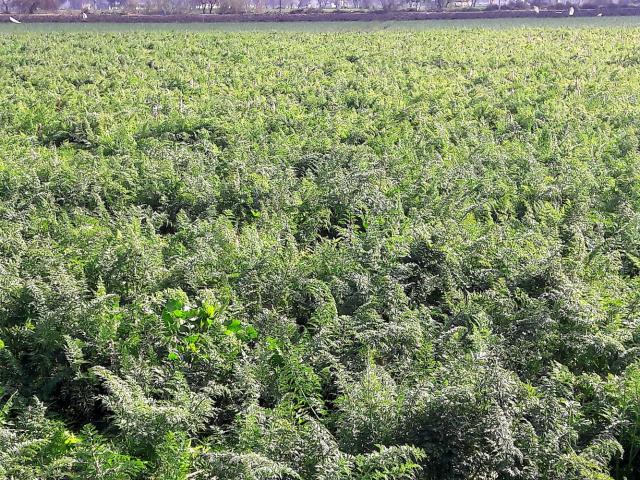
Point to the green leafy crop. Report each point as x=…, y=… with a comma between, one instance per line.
x=320, y=256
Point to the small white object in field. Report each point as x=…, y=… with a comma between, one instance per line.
x=84, y=16
x=600, y=14
x=571, y=11
x=13, y=20
x=536, y=9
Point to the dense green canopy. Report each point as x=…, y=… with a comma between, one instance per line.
x=337, y=256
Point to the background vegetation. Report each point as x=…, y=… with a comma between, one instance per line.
x=324, y=27
x=385, y=255
x=169, y=7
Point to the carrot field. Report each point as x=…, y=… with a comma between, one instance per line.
x=345, y=253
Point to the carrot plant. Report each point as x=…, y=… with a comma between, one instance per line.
x=339, y=256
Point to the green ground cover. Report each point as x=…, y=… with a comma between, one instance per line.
x=342, y=255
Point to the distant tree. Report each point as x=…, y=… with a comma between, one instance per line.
x=32, y=6
x=207, y=6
